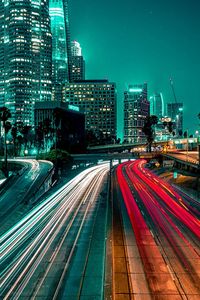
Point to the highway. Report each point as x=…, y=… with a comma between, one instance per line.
x=13, y=199
x=166, y=229
x=190, y=156
x=37, y=251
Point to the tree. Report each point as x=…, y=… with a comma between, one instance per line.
x=180, y=132
x=5, y=114
x=148, y=129
x=57, y=116
x=48, y=130
x=39, y=136
x=170, y=127
x=14, y=136
x=25, y=131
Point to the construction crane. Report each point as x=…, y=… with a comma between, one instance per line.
x=173, y=91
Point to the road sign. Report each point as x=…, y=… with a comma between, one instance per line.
x=168, y=163
x=175, y=175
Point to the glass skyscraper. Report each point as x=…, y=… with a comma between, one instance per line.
x=77, y=63
x=136, y=110
x=157, y=105
x=61, y=48
x=25, y=56
x=59, y=41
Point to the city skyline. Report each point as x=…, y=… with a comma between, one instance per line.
x=165, y=44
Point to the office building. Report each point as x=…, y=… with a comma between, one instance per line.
x=76, y=48
x=97, y=98
x=61, y=48
x=136, y=109
x=157, y=105
x=25, y=57
x=157, y=109
x=70, y=133
x=59, y=42
x=175, y=112
x=77, y=63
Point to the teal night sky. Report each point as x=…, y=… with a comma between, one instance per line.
x=145, y=40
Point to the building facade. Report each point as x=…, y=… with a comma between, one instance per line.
x=59, y=42
x=76, y=48
x=157, y=105
x=70, y=128
x=77, y=63
x=157, y=109
x=25, y=57
x=61, y=48
x=97, y=98
x=136, y=109
x=175, y=112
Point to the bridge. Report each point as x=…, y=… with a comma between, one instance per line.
x=186, y=160
x=182, y=143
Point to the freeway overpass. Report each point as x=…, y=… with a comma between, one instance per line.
x=182, y=143
x=187, y=160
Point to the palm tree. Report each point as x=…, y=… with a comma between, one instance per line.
x=57, y=115
x=5, y=114
x=14, y=136
x=149, y=130
x=25, y=131
x=170, y=126
x=47, y=129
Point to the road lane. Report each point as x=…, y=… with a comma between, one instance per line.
x=175, y=230
x=12, y=201
x=34, y=240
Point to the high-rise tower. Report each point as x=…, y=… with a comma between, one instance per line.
x=59, y=42
x=175, y=112
x=136, y=109
x=61, y=48
x=157, y=105
x=25, y=56
x=77, y=63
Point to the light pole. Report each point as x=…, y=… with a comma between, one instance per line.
x=187, y=145
x=198, y=149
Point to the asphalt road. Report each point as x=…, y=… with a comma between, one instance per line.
x=37, y=253
x=190, y=156
x=22, y=186
x=167, y=232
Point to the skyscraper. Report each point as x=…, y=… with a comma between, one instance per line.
x=77, y=63
x=61, y=48
x=157, y=105
x=76, y=48
x=97, y=98
x=25, y=56
x=175, y=112
x=136, y=109
x=59, y=42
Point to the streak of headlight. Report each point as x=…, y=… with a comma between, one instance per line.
x=73, y=189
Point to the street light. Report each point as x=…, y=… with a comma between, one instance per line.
x=187, y=145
